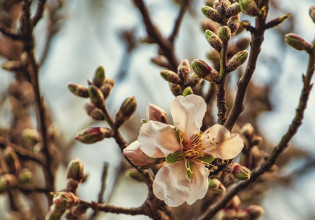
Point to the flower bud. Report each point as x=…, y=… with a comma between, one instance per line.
x=249, y=7
x=237, y=60
x=297, y=42
x=176, y=89
x=254, y=211
x=25, y=176
x=224, y=33
x=188, y=91
x=94, y=112
x=75, y=170
x=234, y=23
x=127, y=108
x=78, y=90
x=99, y=76
x=213, y=40
x=155, y=113
x=211, y=13
x=238, y=171
x=11, y=160
x=216, y=186
x=94, y=134
x=134, y=174
x=7, y=181
x=30, y=136
x=96, y=96
x=64, y=200
x=183, y=70
x=12, y=65
x=247, y=130
x=106, y=89
x=203, y=70
x=170, y=76
x=136, y=155
x=233, y=10
x=312, y=13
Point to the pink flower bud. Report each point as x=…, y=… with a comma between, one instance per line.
x=94, y=134
x=136, y=155
x=155, y=113
x=238, y=171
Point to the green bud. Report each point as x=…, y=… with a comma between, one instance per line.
x=254, y=211
x=170, y=76
x=25, y=176
x=12, y=65
x=78, y=90
x=224, y=33
x=176, y=89
x=211, y=13
x=106, y=89
x=233, y=10
x=312, y=13
x=174, y=157
x=96, y=96
x=216, y=186
x=237, y=60
x=30, y=136
x=249, y=7
x=134, y=174
x=297, y=42
x=94, y=134
x=127, y=108
x=234, y=23
x=188, y=91
x=99, y=76
x=238, y=171
x=7, y=181
x=213, y=40
x=75, y=170
x=11, y=160
x=194, y=80
x=203, y=70
x=183, y=70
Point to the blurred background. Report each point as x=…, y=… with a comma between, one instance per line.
x=110, y=33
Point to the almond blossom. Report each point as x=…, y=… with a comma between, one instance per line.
x=188, y=152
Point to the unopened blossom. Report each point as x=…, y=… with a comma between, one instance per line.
x=187, y=151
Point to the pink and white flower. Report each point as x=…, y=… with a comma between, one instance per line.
x=187, y=151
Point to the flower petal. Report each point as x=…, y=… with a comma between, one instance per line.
x=136, y=155
x=157, y=139
x=155, y=113
x=220, y=143
x=171, y=184
x=187, y=113
x=199, y=183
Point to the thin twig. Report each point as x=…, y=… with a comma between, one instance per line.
x=179, y=20
x=39, y=12
x=275, y=153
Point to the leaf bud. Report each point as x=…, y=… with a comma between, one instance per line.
x=106, y=89
x=213, y=40
x=30, y=136
x=183, y=70
x=11, y=160
x=134, y=174
x=211, y=13
x=237, y=60
x=203, y=70
x=93, y=135
x=176, y=89
x=224, y=33
x=233, y=10
x=312, y=13
x=155, y=113
x=96, y=96
x=25, y=176
x=234, y=23
x=7, y=181
x=99, y=76
x=254, y=211
x=216, y=186
x=170, y=76
x=249, y=7
x=75, y=170
x=127, y=108
x=78, y=90
x=188, y=91
x=238, y=171
x=297, y=42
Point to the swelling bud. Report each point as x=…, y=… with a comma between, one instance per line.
x=93, y=135
x=99, y=76
x=170, y=76
x=127, y=108
x=96, y=96
x=213, y=40
x=237, y=60
x=203, y=70
x=249, y=7
x=297, y=42
x=78, y=90
x=238, y=171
